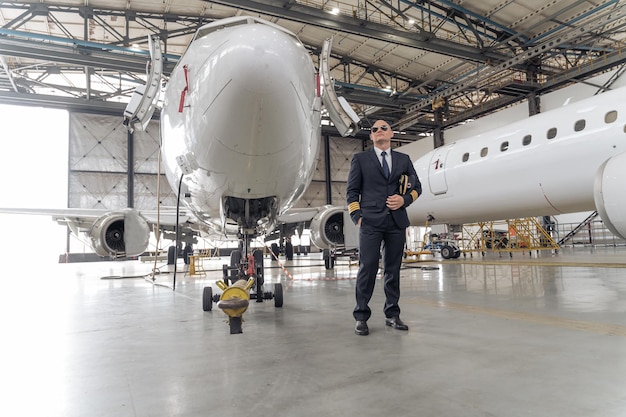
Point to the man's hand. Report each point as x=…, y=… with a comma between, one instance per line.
x=394, y=202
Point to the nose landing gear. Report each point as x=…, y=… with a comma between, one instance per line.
x=244, y=274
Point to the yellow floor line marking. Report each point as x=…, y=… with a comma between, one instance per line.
x=587, y=326
x=522, y=262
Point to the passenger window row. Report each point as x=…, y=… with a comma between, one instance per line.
x=609, y=117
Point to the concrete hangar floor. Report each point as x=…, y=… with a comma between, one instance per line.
x=523, y=336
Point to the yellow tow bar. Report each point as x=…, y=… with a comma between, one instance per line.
x=234, y=301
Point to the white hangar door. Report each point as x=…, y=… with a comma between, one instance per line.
x=100, y=174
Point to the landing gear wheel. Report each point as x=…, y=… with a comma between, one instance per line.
x=258, y=261
x=235, y=261
x=275, y=251
x=329, y=260
x=278, y=295
x=235, y=325
x=289, y=251
x=207, y=299
x=259, y=279
x=171, y=255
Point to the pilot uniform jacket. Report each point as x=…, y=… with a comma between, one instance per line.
x=368, y=189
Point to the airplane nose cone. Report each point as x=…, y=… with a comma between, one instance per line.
x=272, y=56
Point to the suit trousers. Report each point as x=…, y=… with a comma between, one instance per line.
x=392, y=239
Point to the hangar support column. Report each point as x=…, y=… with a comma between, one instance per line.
x=534, y=105
x=329, y=182
x=131, y=169
x=438, y=140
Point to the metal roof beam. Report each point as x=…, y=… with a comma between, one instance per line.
x=540, y=49
x=66, y=103
x=76, y=53
x=317, y=17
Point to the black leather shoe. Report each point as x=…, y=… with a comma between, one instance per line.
x=361, y=328
x=396, y=323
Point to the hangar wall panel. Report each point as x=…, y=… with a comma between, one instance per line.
x=98, y=165
x=146, y=191
x=97, y=190
x=98, y=162
x=97, y=143
x=147, y=149
x=340, y=155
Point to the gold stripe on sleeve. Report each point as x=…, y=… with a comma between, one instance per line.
x=352, y=207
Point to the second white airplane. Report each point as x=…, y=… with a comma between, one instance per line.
x=567, y=160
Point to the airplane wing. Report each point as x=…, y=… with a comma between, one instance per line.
x=117, y=233
x=87, y=217
x=298, y=215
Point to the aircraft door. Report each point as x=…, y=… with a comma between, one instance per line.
x=142, y=104
x=437, y=171
x=342, y=115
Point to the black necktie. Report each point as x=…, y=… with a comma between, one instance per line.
x=385, y=165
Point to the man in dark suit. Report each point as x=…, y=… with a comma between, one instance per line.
x=378, y=207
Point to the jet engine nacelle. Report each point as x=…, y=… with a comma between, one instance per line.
x=609, y=196
x=120, y=234
x=332, y=228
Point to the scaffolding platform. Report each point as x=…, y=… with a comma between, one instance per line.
x=515, y=235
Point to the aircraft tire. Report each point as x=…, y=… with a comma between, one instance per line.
x=258, y=263
x=329, y=262
x=278, y=295
x=446, y=252
x=207, y=299
x=289, y=251
x=171, y=255
x=275, y=251
x=235, y=260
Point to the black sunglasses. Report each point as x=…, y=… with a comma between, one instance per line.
x=384, y=128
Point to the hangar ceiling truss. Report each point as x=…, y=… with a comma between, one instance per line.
x=404, y=60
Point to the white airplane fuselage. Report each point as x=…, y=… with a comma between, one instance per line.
x=500, y=175
x=241, y=124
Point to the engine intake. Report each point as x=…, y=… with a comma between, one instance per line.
x=608, y=194
x=332, y=228
x=120, y=234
